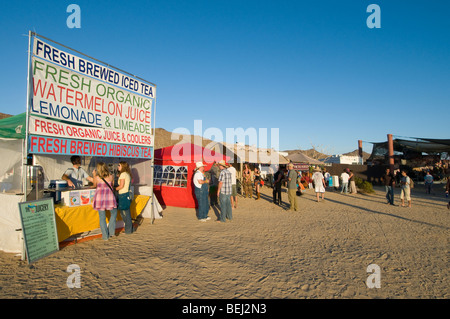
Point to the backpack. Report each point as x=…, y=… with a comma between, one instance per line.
x=411, y=182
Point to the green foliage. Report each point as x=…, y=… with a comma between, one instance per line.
x=364, y=186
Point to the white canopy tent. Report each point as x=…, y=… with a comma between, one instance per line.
x=11, y=181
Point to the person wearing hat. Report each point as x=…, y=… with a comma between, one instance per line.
x=224, y=192
x=292, y=187
x=201, y=190
x=319, y=183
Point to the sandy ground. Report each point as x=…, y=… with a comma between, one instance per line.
x=322, y=252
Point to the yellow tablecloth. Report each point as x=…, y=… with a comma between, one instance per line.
x=75, y=220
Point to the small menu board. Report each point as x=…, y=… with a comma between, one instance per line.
x=39, y=228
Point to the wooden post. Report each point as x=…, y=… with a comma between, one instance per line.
x=391, y=152
x=360, y=151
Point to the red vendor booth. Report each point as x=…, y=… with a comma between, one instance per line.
x=174, y=169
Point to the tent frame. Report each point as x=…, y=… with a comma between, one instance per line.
x=30, y=101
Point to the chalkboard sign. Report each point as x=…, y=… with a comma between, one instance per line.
x=39, y=228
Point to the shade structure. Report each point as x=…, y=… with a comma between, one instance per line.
x=251, y=154
x=174, y=169
x=411, y=147
x=303, y=159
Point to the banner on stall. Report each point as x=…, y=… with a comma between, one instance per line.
x=61, y=146
x=91, y=69
x=39, y=228
x=46, y=127
x=81, y=107
x=301, y=167
x=65, y=95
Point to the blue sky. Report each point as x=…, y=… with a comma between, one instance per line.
x=313, y=69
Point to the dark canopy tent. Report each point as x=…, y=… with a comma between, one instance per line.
x=436, y=141
x=302, y=158
x=411, y=147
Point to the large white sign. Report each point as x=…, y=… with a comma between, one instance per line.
x=46, y=127
x=88, y=68
x=81, y=107
x=66, y=95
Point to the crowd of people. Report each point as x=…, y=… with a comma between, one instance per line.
x=218, y=186
x=220, y=182
x=406, y=183
x=401, y=178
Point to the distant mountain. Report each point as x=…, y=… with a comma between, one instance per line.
x=164, y=138
x=317, y=155
x=4, y=116
x=311, y=153
x=356, y=153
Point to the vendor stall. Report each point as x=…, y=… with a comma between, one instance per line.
x=41, y=142
x=174, y=168
x=75, y=220
x=73, y=210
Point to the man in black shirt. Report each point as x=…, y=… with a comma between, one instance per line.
x=278, y=179
x=389, y=183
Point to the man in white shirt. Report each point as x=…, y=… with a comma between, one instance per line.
x=233, y=198
x=326, y=175
x=344, y=180
x=201, y=191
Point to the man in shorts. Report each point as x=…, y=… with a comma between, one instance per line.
x=405, y=194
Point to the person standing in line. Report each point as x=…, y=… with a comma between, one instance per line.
x=247, y=181
x=428, y=179
x=405, y=183
x=319, y=183
x=278, y=180
x=257, y=177
x=104, y=199
x=125, y=196
x=344, y=180
x=201, y=190
x=389, y=183
x=224, y=193
x=292, y=187
x=233, y=197
x=351, y=182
